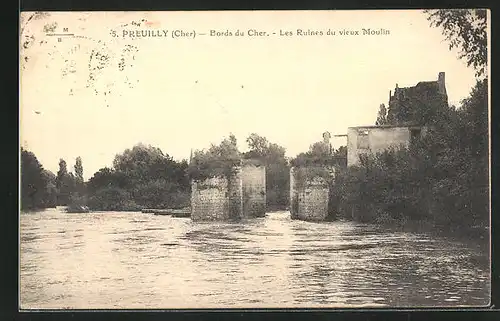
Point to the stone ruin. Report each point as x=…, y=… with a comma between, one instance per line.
x=240, y=196
x=309, y=193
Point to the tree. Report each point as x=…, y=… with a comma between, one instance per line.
x=38, y=185
x=258, y=145
x=62, y=173
x=232, y=140
x=79, y=170
x=50, y=193
x=382, y=116
x=112, y=199
x=144, y=163
x=141, y=177
x=106, y=177
x=319, y=149
x=465, y=29
x=33, y=185
x=341, y=152
x=217, y=160
x=66, y=183
x=79, y=183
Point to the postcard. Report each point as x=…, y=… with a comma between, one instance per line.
x=254, y=159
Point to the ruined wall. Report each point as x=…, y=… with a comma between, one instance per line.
x=313, y=200
x=209, y=199
x=294, y=196
x=235, y=194
x=418, y=104
x=377, y=140
x=309, y=195
x=254, y=189
x=221, y=199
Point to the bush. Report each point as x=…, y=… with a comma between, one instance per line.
x=218, y=161
x=112, y=199
x=77, y=204
x=160, y=194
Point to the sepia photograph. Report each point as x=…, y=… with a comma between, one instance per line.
x=254, y=159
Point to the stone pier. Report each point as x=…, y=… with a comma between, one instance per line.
x=242, y=195
x=294, y=195
x=310, y=193
x=254, y=188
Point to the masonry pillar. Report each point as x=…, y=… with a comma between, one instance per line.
x=254, y=188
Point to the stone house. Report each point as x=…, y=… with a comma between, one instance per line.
x=364, y=140
x=409, y=108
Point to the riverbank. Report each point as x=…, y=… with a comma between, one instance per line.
x=476, y=236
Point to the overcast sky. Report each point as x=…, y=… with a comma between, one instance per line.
x=183, y=93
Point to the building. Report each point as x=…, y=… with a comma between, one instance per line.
x=417, y=104
x=364, y=140
x=326, y=143
x=409, y=108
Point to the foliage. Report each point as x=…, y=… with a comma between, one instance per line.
x=144, y=163
x=77, y=203
x=50, y=193
x=160, y=193
x=63, y=171
x=79, y=182
x=79, y=169
x=217, y=161
x=107, y=177
x=302, y=175
x=37, y=185
x=141, y=177
x=318, y=156
x=258, y=146
x=112, y=199
x=322, y=164
x=465, y=29
x=382, y=116
x=66, y=183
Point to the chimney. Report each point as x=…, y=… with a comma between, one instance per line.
x=326, y=137
x=441, y=83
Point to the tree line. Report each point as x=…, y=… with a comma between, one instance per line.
x=40, y=188
x=144, y=177
x=141, y=177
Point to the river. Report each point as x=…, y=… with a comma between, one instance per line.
x=122, y=260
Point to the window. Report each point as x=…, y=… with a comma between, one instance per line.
x=415, y=134
x=363, y=140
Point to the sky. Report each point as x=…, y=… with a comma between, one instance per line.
x=94, y=95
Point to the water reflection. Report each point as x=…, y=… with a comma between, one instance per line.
x=135, y=260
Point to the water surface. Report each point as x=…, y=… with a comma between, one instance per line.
x=143, y=261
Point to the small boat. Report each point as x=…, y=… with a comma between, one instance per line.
x=183, y=212
x=77, y=209
x=175, y=212
x=162, y=212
